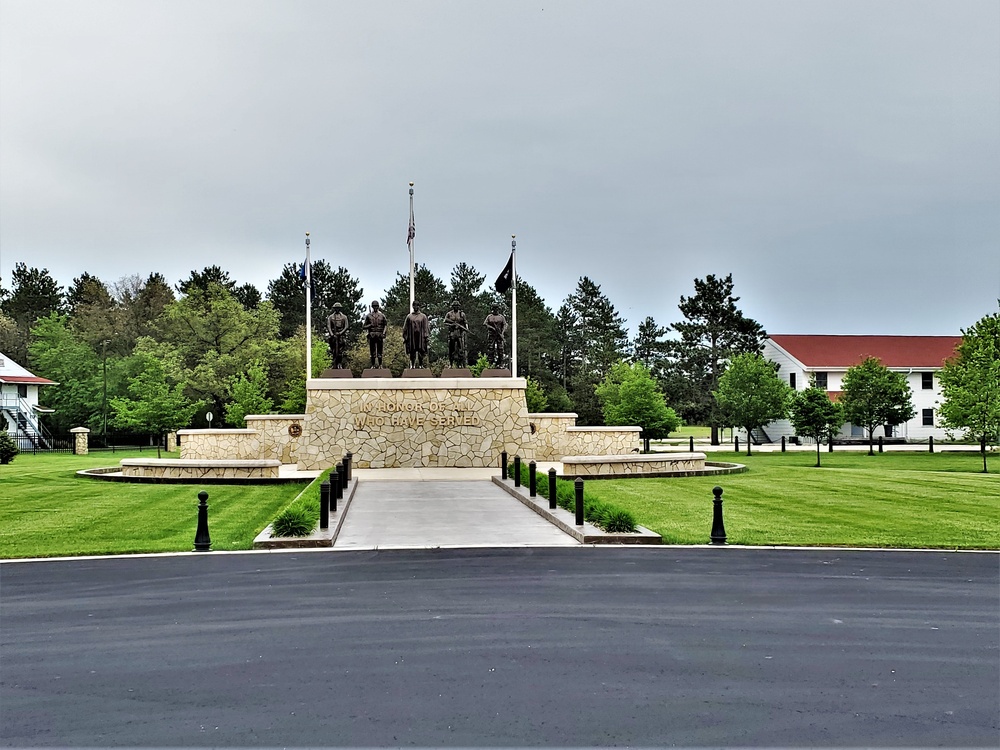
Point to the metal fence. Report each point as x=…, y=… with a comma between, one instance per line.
x=64, y=443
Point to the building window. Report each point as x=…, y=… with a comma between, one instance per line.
x=22, y=390
x=791, y=379
x=928, y=415
x=821, y=380
x=927, y=380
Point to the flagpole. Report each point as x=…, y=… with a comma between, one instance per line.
x=309, y=353
x=411, y=233
x=513, y=307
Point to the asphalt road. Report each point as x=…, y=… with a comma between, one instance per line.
x=504, y=647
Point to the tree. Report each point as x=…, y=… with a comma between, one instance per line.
x=248, y=391
x=534, y=396
x=630, y=396
x=288, y=379
x=713, y=332
x=874, y=395
x=970, y=385
x=814, y=415
x=200, y=281
x=750, y=393
x=217, y=339
x=287, y=294
x=140, y=303
x=649, y=348
x=593, y=339
x=94, y=314
x=156, y=406
x=34, y=295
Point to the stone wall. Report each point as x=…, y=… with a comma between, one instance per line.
x=556, y=435
x=414, y=422
x=282, y=431
x=632, y=465
x=223, y=444
x=173, y=468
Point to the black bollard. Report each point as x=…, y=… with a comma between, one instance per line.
x=202, y=541
x=532, y=479
x=324, y=504
x=690, y=443
x=736, y=442
x=348, y=464
x=503, y=465
x=343, y=476
x=880, y=449
x=578, y=488
x=552, y=489
x=517, y=471
x=782, y=443
x=930, y=444
x=338, y=483
x=718, y=529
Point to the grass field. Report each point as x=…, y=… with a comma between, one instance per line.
x=46, y=510
x=939, y=500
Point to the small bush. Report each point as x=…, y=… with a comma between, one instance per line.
x=293, y=521
x=604, y=515
x=8, y=448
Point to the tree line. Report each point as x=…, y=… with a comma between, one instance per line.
x=140, y=351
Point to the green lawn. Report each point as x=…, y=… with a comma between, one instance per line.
x=46, y=510
x=889, y=500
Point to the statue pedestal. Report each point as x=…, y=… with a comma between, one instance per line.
x=496, y=373
x=414, y=422
x=459, y=372
x=332, y=373
x=376, y=372
x=417, y=372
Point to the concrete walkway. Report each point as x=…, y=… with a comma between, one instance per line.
x=430, y=508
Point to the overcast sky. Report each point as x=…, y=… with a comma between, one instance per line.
x=841, y=159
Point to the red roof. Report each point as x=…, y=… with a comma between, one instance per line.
x=846, y=351
x=29, y=379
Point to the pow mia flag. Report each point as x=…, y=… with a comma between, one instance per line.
x=506, y=277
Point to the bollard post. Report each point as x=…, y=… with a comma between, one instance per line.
x=324, y=504
x=718, y=529
x=782, y=443
x=532, y=479
x=880, y=444
x=578, y=488
x=930, y=444
x=202, y=541
x=690, y=443
x=349, y=465
x=503, y=465
x=338, y=484
x=517, y=471
x=552, y=489
x=736, y=442
x=343, y=476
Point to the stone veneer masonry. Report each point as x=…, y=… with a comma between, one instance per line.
x=208, y=469
x=414, y=422
x=556, y=435
x=278, y=430
x=223, y=444
x=602, y=466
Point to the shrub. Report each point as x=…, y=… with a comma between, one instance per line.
x=8, y=448
x=293, y=521
x=604, y=515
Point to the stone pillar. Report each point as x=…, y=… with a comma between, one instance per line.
x=81, y=441
x=171, y=442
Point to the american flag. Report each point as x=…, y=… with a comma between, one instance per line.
x=412, y=231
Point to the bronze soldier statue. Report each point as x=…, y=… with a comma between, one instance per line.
x=337, y=327
x=416, y=334
x=375, y=327
x=496, y=326
x=457, y=328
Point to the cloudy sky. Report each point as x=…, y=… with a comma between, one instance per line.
x=841, y=159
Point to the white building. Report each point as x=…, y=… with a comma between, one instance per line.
x=800, y=357
x=19, y=404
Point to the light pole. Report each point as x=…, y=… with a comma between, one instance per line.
x=104, y=398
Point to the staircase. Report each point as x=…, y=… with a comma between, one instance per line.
x=27, y=427
x=759, y=437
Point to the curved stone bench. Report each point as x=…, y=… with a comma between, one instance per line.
x=646, y=464
x=182, y=468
